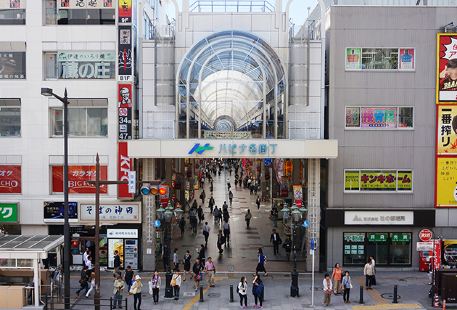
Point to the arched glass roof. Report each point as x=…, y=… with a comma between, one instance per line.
x=227, y=74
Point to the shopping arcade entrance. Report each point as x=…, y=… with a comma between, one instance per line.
x=172, y=155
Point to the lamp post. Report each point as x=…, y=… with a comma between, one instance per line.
x=295, y=216
x=66, y=228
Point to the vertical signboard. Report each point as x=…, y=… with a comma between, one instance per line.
x=125, y=53
x=446, y=68
x=125, y=111
x=124, y=11
x=124, y=165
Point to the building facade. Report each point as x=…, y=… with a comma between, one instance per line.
x=382, y=64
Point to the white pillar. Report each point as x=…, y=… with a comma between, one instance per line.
x=36, y=280
x=314, y=209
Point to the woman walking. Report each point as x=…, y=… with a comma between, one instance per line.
x=135, y=290
x=118, y=288
x=175, y=283
x=156, y=281
x=196, y=269
x=187, y=261
x=92, y=284
x=337, y=274
x=328, y=289
x=347, y=285
x=261, y=262
x=257, y=291
x=368, y=271
x=242, y=291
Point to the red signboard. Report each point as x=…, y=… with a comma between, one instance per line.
x=125, y=11
x=124, y=95
x=78, y=177
x=124, y=165
x=10, y=179
x=425, y=235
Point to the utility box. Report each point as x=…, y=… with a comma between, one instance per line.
x=449, y=287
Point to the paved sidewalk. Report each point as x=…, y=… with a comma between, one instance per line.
x=412, y=288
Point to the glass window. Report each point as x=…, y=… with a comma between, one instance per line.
x=379, y=58
x=10, y=117
x=86, y=17
x=405, y=117
x=354, y=249
x=352, y=117
x=50, y=11
x=378, y=247
x=12, y=17
x=400, y=249
x=50, y=65
x=82, y=122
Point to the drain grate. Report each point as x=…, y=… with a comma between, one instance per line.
x=389, y=296
x=214, y=295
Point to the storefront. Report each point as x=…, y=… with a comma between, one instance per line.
x=389, y=236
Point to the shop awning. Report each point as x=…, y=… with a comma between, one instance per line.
x=28, y=247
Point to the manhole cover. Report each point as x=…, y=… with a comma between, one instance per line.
x=389, y=296
x=215, y=295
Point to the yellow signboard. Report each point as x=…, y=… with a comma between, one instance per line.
x=351, y=180
x=447, y=130
x=446, y=182
x=405, y=180
x=378, y=180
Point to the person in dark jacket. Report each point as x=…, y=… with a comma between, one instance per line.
x=117, y=261
x=83, y=281
x=258, y=290
x=128, y=277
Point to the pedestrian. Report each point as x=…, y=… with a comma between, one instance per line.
x=128, y=277
x=118, y=288
x=230, y=197
x=228, y=184
x=210, y=270
x=86, y=255
x=373, y=262
x=217, y=215
x=257, y=202
x=91, y=284
x=175, y=259
x=288, y=247
x=156, y=282
x=247, y=218
x=135, y=290
x=220, y=241
x=337, y=275
x=328, y=289
x=347, y=285
x=274, y=215
x=196, y=269
x=202, y=255
x=211, y=204
x=225, y=215
x=84, y=285
x=257, y=291
x=187, y=261
x=225, y=206
x=276, y=240
x=206, y=230
x=226, y=227
x=242, y=292
x=182, y=225
x=117, y=261
x=175, y=283
x=261, y=262
x=368, y=271
x=200, y=214
x=90, y=268
x=203, y=196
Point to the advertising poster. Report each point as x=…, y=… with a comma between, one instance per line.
x=353, y=117
x=384, y=117
x=298, y=194
x=450, y=252
x=86, y=65
x=351, y=180
x=12, y=65
x=446, y=63
x=406, y=59
x=124, y=165
x=10, y=179
x=125, y=54
x=125, y=11
x=125, y=111
x=353, y=58
x=124, y=96
x=54, y=211
x=78, y=177
x=446, y=182
x=381, y=180
x=115, y=245
x=446, y=141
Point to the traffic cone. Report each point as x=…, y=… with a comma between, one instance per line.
x=436, y=301
x=444, y=304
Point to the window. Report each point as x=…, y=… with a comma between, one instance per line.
x=12, y=16
x=10, y=117
x=372, y=180
x=379, y=117
x=50, y=65
x=380, y=59
x=12, y=64
x=81, y=12
x=83, y=120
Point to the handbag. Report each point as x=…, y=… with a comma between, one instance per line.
x=173, y=282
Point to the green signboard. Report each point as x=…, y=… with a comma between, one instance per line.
x=8, y=213
x=400, y=237
x=377, y=237
x=354, y=237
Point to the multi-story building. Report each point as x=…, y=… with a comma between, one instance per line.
x=381, y=103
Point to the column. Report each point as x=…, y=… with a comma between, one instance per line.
x=314, y=211
x=36, y=280
x=149, y=216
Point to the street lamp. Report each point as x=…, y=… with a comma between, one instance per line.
x=296, y=216
x=66, y=230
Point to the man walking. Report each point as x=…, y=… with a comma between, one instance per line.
x=226, y=227
x=206, y=230
x=117, y=261
x=230, y=197
x=210, y=270
x=257, y=202
x=368, y=271
x=220, y=241
x=247, y=218
x=276, y=240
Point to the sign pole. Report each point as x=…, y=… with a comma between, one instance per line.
x=312, y=273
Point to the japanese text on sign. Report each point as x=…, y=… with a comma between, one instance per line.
x=111, y=212
x=8, y=212
x=446, y=182
x=378, y=180
x=447, y=130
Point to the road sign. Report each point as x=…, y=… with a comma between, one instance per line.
x=425, y=235
x=132, y=182
x=312, y=245
x=424, y=246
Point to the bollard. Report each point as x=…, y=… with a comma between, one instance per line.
x=395, y=301
x=201, y=293
x=231, y=293
x=361, y=295
x=126, y=303
x=111, y=303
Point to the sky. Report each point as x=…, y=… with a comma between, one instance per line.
x=298, y=9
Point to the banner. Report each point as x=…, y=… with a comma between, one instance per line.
x=125, y=11
x=86, y=65
x=379, y=117
x=446, y=64
x=298, y=194
x=125, y=54
x=353, y=58
x=446, y=182
x=406, y=59
x=446, y=142
x=10, y=179
x=124, y=165
x=78, y=177
x=9, y=213
x=12, y=65
x=85, y=4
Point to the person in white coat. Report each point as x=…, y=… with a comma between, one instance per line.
x=328, y=289
x=91, y=284
x=156, y=282
x=176, y=282
x=242, y=291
